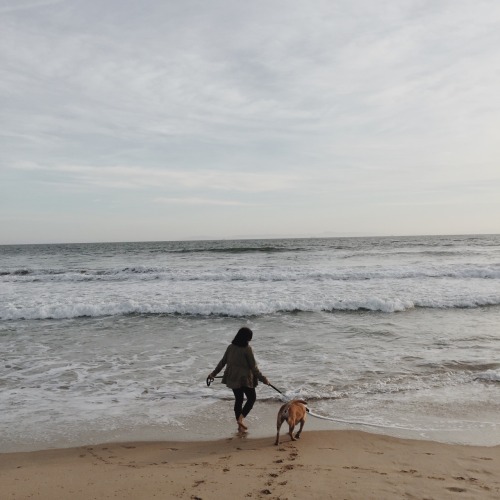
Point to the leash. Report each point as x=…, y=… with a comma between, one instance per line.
x=277, y=390
x=322, y=417
x=210, y=380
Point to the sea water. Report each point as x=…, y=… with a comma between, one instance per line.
x=101, y=342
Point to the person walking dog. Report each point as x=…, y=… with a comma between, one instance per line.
x=241, y=374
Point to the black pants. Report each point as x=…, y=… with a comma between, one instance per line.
x=239, y=409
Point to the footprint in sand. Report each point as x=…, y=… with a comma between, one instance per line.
x=461, y=478
x=455, y=489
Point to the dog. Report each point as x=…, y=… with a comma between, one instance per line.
x=294, y=412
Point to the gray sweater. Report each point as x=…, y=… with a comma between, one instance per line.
x=241, y=370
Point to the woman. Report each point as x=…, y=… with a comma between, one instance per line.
x=241, y=374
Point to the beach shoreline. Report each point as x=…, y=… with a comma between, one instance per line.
x=322, y=464
x=220, y=420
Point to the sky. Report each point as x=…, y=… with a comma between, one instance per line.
x=209, y=119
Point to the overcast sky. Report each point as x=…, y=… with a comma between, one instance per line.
x=125, y=120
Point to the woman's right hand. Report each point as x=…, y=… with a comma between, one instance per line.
x=211, y=377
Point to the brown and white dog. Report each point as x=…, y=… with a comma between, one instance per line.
x=293, y=412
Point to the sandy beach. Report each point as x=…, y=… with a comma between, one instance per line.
x=323, y=464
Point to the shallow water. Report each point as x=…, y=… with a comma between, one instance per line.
x=114, y=341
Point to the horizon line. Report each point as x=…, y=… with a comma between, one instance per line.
x=253, y=238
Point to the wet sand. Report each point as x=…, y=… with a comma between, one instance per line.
x=322, y=464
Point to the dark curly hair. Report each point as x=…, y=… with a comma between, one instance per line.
x=243, y=337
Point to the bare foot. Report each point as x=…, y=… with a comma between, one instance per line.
x=241, y=424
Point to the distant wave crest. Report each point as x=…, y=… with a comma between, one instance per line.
x=491, y=272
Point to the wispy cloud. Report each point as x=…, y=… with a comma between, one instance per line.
x=127, y=177
x=200, y=201
x=8, y=6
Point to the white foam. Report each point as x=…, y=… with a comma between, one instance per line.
x=237, y=308
x=489, y=376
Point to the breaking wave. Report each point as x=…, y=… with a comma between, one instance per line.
x=229, y=309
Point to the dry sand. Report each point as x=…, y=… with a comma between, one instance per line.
x=323, y=464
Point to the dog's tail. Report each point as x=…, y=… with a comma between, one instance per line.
x=304, y=403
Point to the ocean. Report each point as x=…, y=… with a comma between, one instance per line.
x=114, y=341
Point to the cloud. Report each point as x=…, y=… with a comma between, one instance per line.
x=306, y=75
x=16, y=5
x=200, y=201
x=135, y=177
x=312, y=104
